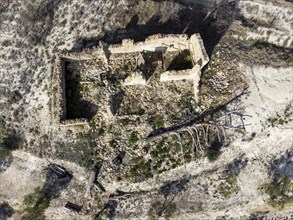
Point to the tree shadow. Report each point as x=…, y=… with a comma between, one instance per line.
x=167, y=207
x=236, y=166
x=109, y=209
x=57, y=179
x=211, y=22
x=12, y=142
x=6, y=211
x=282, y=165
x=174, y=187
x=7, y=145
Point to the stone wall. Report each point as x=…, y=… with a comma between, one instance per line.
x=106, y=53
x=198, y=51
x=60, y=95
x=173, y=75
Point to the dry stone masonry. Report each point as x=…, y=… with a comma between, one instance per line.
x=160, y=57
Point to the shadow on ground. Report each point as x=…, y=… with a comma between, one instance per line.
x=210, y=21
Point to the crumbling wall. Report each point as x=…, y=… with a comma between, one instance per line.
x=198, y=51
x=60, y=109
x=119, y=57
x=171, y=75
x=135, y=79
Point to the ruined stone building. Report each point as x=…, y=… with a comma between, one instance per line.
x=97, y=78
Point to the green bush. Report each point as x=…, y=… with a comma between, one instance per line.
x=280, y=191
x=133, y=138
x=156, y=122
x=229, y=187
x=213, y=154
x=4, y=153
x=140, y=170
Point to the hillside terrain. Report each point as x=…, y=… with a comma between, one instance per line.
x=153, y=152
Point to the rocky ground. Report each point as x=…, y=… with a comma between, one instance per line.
x=250, y=177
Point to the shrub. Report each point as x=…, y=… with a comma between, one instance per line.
x=213, y=154
x=156, y=122
x=133, y=138
x=280, y=191
x=229, y=187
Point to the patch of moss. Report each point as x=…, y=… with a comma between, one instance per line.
x=232, y=180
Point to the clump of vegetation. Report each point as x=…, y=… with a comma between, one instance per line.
x=158, y=209
x=135, y=110
x=168, y=150
x=140, y=111
x=165, y=154
x=280, y=191
x=140, y=169
x=185, y=100
x=133, y=138
x=126, y=67
x=124, y=121
x=84, y=151
x=156, y=122
x=280, y=119
x=36, y=204
x=4, y=153
x=213, y=154
x=229, y=187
